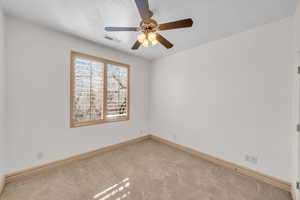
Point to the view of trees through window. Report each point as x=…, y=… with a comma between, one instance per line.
x=116, y=91
x=99, y=90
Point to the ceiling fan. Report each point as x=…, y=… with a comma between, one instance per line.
x=149, y=27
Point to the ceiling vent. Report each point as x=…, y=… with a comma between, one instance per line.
x=111, y=38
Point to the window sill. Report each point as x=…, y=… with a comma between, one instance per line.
x=97, y=122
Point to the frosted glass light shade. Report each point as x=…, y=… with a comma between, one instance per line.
x=152, y=36
x=154, y=42
x=141, y=38
x=146, y=43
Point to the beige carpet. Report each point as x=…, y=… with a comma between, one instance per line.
x=143, y=171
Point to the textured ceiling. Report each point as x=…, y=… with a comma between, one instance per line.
x=213, y=19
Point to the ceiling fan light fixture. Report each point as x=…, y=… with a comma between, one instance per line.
x=141, y=38
x=148, y=27
x=145, y=43
x=152, y=36
x=154, y=42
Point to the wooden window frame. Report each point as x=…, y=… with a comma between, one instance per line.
x=73, y=123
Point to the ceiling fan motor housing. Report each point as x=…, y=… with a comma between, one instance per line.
x=148, y=26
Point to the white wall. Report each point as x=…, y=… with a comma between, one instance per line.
x=295, y=110
x=230, y=98
x=38, y=97
x=3, y=91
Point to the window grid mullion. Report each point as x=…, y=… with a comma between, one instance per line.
x=105, y=91
x=91, y=84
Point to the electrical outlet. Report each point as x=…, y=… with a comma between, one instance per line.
x=40, y=156
x=251, y=159
x=174, y=136
x=247, y=157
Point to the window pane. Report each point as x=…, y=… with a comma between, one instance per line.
x=88, y=90
x=97, y=84
x=117, y=91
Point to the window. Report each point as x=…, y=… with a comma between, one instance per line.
x=99, y=90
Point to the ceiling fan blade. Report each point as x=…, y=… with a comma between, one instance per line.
x=143, y=7
x=136, y=45
x=176, y=24
x=164, y=41
x=121, y=28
